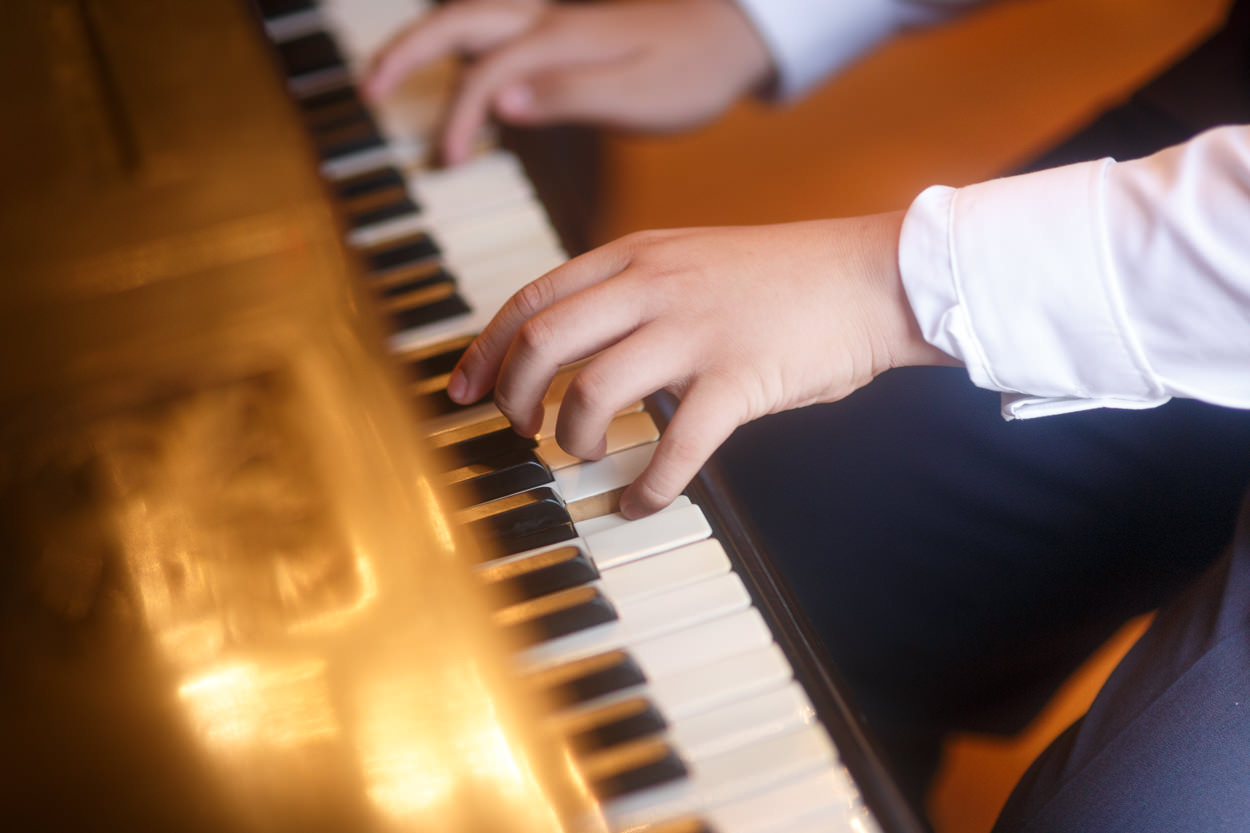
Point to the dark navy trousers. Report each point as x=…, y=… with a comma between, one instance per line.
x=959, y=567
x=1166, y=744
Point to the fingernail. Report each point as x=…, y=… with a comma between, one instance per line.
x=457, y=386
x=629, y=507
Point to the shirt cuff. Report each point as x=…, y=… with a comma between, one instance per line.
x=1012, y=278
x=808, y=44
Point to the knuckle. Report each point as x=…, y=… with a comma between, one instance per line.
x=535, y=336
x=587, y=390
x=508, y=402
x=534, y=297
x=641, y=241
x=682, y=454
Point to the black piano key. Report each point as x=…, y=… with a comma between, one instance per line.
x=401, y=207
x=345, y=140
x=585, y=679
x=435, y=364
x=270, y=9
x=403, y=252
x=357, y=121
x=343, y=96
x=425, y=279
x=543, y=500
x=632, y=767
x=309, y=53
x=520, y=522
x=323, y=114
x=437, y=403
x=369, y=182
x=545, y=537
x=374, y=196
x=616, y=724
x=557, y=614
x=485, y=447
x=480, y=482
x=545, y=572
x=429, y=314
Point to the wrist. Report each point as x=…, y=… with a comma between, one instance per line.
x=901, y=342
x=754, y=59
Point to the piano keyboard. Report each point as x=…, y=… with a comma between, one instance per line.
x=671, y=688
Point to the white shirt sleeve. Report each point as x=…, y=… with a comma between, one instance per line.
x=1098, y=284
x=811, y=39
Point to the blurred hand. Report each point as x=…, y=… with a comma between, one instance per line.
x=736, y=322
x=646, y=65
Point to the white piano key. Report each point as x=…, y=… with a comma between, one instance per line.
x=666, y=529
x=646, y=577
x=294, y=25
x=833, y=819
x=494, y=228
x=701, y=645
x=704, y=685
x=351, y=164
x=824, y=800
x=594, y=526
x=490, y=179
x=656, y=573
x=392, y=228
x=317, y=81
x=492, y=278
x=484, y=302
x=611, y=472
x=729, y=776
x=647, y=618
x=362, y=28
x=704, y=741
x=477, y=225
x=499, y=271
x=742, y=721
x=624, y=432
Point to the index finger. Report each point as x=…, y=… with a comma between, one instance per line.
x=556, y=43
x=478, y=369
x=469, y=27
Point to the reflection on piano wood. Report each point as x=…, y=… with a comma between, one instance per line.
x=236, y=601
x=230, y=597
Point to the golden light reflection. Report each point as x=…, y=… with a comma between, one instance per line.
x=234, y=603
x=438, y=521
x=401, y=738
x=336, y=619
x=251, y=705
x=227, y=529
x=435, y=748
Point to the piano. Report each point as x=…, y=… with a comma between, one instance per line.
x=262, y=573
